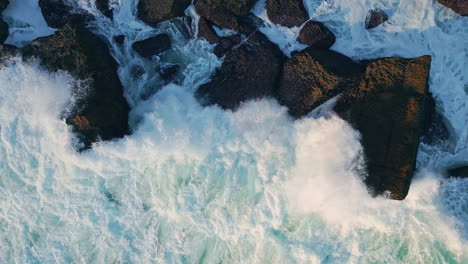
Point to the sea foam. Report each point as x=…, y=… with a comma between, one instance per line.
x=197, y=184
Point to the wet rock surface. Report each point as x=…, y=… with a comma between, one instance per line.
x=458, y=6
x=434, y=128
x=153, y=12
x=206, y=31
x=101, y=112
x=168, y=72
x=4, y=4
x=120, y=39
x=224, y=44
x=105, y=8
x=3, y=25
x=316, y=34
x=459, y=172
x=248, y=72
x=288, y=13
x=375, y=18
x=313, y=76
x=388, y=109
x=227, y=14
x=58, y=13
x=152, y=46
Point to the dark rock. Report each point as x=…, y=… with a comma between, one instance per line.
x=168, y=72
x=120, y=39
x=288, y=13
x=3, y=31
x=460, y=172
x=434, y=128
x=58, y=13
x=7, y=51
x=3, y=25
x=152, y=46
x=226, y=44
x=248, y=72
x=458, y=6
x=250, y=23
x=4, y=4
x=103, y=112
x=105, y=8
x=225, y=13
x=153, y=12
x=206, y=31
x=388, y=109
x=316, y=34
x=375, y=18
x=313, y=76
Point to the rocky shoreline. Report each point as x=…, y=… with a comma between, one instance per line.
x=386, y=100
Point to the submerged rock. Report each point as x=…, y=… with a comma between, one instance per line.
x=288, y=13
x=313, y=76
x=388, y=109
x=461, y=172
x=458, y=6
x=434, y=128
x=249, y=72
x=316, y=34
x=101, y=113
x=153, y=12
x=375, y=18
x=168, y=72
x=58, y=13
x=120, y=39
x=226, y=13
x=152, y=46
x=3, y=25
x=105, y=8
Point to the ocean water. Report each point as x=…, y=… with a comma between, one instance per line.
x=203, y=185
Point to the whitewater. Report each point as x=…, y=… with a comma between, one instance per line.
x=197, y=184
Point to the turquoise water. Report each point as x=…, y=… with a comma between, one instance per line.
x=203, y=185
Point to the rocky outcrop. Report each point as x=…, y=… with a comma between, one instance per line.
x=206, y=31
x=224, y=44
x=460, y=172
x=102, y=113
x=375, y=18
x=458, y=6
x=230, y=14
x=105, y=8
x=316, y=34
x=387, y=108
x=58, y=13
x=313, y=76
x=153, y=12
x=288, y=13
x=152, y=46
x=3, y=25
x=248, y=72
